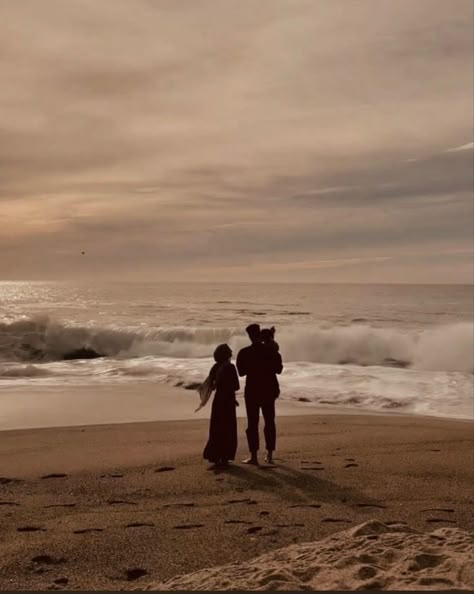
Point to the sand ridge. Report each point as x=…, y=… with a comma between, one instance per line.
x=370, y=556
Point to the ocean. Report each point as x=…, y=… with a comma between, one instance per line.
x=397, y=349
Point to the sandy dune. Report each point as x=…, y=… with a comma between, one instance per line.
x=372, y=555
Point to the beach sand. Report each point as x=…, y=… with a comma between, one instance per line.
x=125, y=506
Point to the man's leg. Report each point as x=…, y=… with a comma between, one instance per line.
x=268, y=411
x=253, y=414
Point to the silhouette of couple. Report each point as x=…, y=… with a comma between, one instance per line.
x=260, y=362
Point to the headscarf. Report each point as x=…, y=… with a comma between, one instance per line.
x=222, y=354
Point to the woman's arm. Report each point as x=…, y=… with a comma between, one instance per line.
x=235, y=379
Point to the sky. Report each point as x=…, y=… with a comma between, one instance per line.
x=258, y=140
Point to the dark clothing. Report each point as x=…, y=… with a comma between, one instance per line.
x=253, y=414
x=260, y=363
x=222, y=443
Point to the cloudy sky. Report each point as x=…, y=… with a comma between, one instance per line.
x=303, y=140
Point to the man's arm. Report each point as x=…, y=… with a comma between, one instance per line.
x=242, y=362
x=278, y=363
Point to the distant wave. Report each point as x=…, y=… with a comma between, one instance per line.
x=442, y=348
x=24, y=371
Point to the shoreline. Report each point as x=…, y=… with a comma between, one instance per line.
x=45, y=406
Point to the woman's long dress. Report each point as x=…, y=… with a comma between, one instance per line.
x=222, y=443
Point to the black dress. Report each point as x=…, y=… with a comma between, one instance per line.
x=222, y=443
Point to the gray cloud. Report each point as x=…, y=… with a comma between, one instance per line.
x=187, y=139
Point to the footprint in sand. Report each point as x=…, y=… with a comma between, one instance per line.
x=140, y=525
x=86, y=530
x=114, y=475
x=439, y=509
x=135, y=573
x=188, y=526
x=254, y=529
x=264, y=513
x=11, y=503
x=290, y=525
x=47, y=560
x=379, y=506
x=350, y=465
x=30, y=529
x=54, y=475
x=236, y=522
x=366, y=572
x=247, y=500
x=60, y=505
x=119, y=502
x=336, y=520
x=440, y=520
x=185, y=504
x=165, y=469
x=313, y=505
x=435, y=450
x=61, y=581
x=349, y=459
x=425, y=561
x=8, y=481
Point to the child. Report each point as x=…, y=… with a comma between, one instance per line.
x=268, y=337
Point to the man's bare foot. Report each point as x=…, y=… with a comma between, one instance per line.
x=252, y=460
x=269, y=458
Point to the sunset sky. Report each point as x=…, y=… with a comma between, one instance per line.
x=255, y=140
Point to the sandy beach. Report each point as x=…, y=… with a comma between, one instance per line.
x=133, y=505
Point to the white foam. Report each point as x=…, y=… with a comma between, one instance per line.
x=444, y=348
x=438, y=382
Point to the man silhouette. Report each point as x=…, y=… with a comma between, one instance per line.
x=259, y=363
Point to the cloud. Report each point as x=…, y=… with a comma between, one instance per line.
x=464, y=147
x=184, y=135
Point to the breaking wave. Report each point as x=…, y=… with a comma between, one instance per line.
x=443, y=348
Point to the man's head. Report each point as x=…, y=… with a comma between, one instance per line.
x=254, y=332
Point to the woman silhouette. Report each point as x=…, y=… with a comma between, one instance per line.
x=222, y=444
